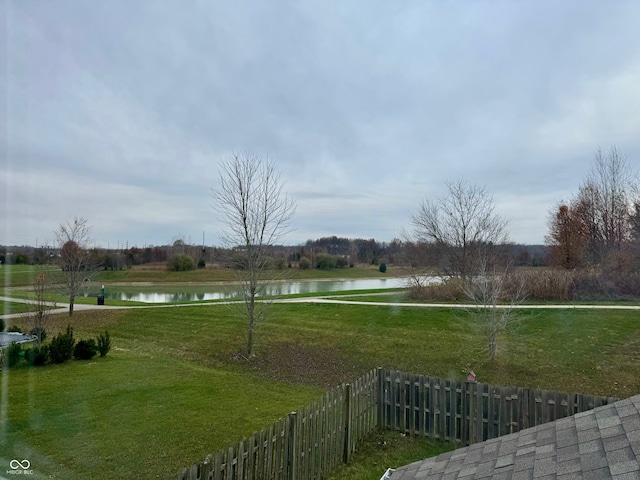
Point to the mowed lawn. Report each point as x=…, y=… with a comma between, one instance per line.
x=171, y=392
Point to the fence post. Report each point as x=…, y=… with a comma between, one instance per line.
x=291, y=447
x=380, y=399
x=347, y=422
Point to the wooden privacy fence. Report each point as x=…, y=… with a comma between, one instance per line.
x=310, y=442
x=467, y=413
x=307, y=444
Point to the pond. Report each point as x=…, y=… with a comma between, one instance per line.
x=7, y=338
x=221, y=292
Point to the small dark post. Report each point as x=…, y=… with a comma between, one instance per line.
x=347, y=422
x=292, y=446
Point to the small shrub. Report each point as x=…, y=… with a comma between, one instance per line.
x=2, y=325
x=383, y=268
x=61, y=347
x=104, y=344
x=37, y=356
x=341, y=262
x=15, y=328
x=325, y=261
x=201, y=263
x=304, y=263
x=12, y=355
x=181, y=263
x=85, y=349
x=39, y=332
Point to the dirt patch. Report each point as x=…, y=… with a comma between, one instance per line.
x=304, y=364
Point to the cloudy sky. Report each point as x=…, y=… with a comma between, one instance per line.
x=121, y=111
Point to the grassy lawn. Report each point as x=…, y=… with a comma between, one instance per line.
x=22, y=275
x=170, y=392
x=7, y=308
x=386, y=450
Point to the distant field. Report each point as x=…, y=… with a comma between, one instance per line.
x=22, y=275
x=169, y=392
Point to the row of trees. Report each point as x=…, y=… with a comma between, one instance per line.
x=459, y=236
x=600, y=225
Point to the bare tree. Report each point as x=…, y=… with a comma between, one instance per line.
x=495, y=294
x=257, y=214
x=41, y=309
x=463, y=226
x=600, y=218
x=77, y=266
x=607, y=192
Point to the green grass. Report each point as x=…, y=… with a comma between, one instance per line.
x=22, y=275
x=384, y=450
x=169, y=392
x=8, y=308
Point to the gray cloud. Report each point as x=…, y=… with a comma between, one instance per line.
x=121, y=111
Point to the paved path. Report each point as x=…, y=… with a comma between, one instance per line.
x=329, y=299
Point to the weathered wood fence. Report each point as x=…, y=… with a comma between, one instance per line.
x=467, y=413
x=310, y=442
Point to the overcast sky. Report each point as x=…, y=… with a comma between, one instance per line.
x=120, y=111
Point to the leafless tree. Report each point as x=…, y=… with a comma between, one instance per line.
x=77, y=266
x=607, y=194
x=257, y=214
x=600, y=218
x=463, y=226
x=495, y=294
x=41, y=308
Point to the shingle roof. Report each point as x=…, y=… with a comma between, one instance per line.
x=603, y=443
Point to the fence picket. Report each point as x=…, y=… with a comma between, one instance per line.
x=312, y=441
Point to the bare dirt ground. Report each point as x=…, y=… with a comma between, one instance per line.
x=307, y=365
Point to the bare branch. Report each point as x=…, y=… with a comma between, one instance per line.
x=76, y=264
x=251, y=204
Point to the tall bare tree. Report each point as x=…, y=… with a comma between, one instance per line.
x=600, y=218
x=77, y=266
x=257, y=214
x=494, y=294
x=463, y=226
x=41, y=309
x=610, y=183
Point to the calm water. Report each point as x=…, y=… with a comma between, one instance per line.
x=285, y=288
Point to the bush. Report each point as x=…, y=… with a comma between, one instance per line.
x=2, y=325
x=201, y=263
x=104, y=344
x=324, y=261
x=85, y=349
x=39, y=332
x=304, y=263
x=449, y=290
x=341, y=262
x=14, y=328
x=38, y=355
x=181, y=263
x=12, y=355
x=383, y=268
x=61, y=347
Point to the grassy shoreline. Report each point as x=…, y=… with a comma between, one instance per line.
x=171, y=391
x=171, y=384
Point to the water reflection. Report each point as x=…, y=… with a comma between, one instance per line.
x=225, y=292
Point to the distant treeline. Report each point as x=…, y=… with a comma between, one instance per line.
x=345, y=252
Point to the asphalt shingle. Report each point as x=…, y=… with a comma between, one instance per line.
x=602, y=444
